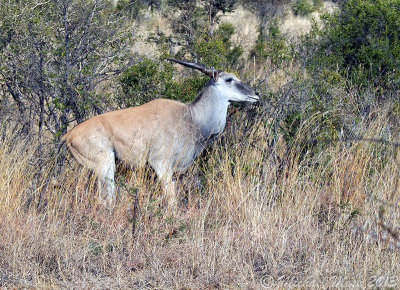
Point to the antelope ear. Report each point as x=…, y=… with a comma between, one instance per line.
x=215, y=75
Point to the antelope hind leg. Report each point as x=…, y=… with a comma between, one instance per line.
x=106, y=181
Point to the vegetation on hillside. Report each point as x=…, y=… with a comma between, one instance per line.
x=361, y=41
x=299, y=191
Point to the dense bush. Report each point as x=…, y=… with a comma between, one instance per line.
x=144, y=81
x=150, y=79
x=53, y=56
x=312, y=114
x=361, y=41
x=190, y=18
x=272, y=47
x=217, y=50
x=302, y=7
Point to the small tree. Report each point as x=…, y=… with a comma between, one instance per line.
x=186, y=19
x=272, y=48
x=215, y=6
x=191, y=18
x=217, y=50
x=58, y=52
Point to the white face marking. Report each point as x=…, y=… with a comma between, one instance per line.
x=234, y=90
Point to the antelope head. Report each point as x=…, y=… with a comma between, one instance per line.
x=229, y=86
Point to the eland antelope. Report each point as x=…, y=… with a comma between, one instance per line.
x=166, y=134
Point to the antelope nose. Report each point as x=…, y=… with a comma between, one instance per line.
x=257, y=99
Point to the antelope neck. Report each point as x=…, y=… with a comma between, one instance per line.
x=208, y=112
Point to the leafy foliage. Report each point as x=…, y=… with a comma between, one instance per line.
x=361, y=40
x=190, y=19
x=313, y=114
x=210, y=50
x=57, y=53
x=144, y=81
x=272, y=47
x=217, y=50
x=302, y=7
x=150, y=79
x=232, y=51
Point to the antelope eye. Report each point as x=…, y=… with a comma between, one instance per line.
x=229, y=80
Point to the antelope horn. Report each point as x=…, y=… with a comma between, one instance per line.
x=205, y=70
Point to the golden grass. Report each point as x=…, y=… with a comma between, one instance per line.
x=250, y=216
x=294, y=26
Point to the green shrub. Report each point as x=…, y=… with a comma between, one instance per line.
x=312, y=113
x=233, y=52
x=144, y=81
x=361, y=41
x=314, y=117
x=210, y=50
x=150, y=79
x=272, y=47
x=226, y=30
x=217, y=50
x=302, y=7
x=318, y=4
x=186, y=89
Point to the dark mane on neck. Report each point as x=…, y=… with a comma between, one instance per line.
x=200, y=95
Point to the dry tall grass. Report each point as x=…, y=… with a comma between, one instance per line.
x=250, y=216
